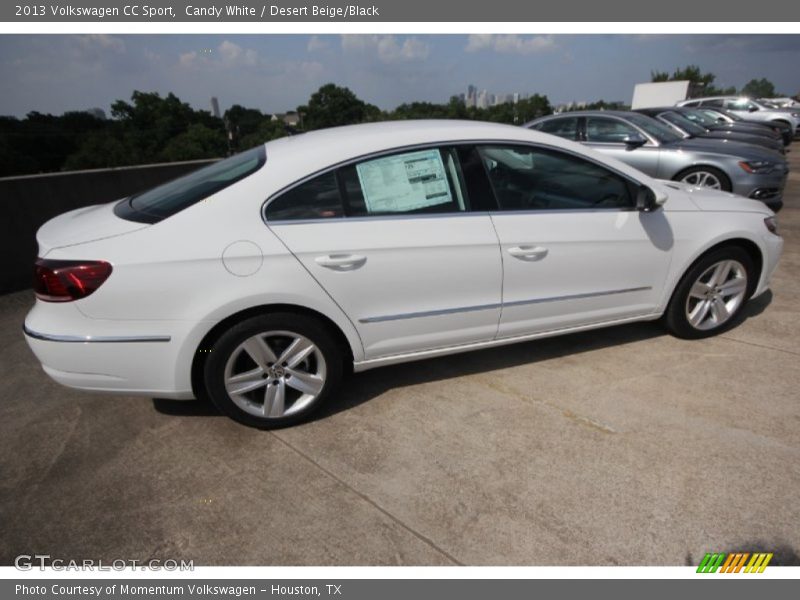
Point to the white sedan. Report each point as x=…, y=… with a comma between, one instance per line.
x=261, y=280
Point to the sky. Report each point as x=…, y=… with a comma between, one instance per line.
x=276, y=73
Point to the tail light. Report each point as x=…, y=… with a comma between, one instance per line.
x=68, y=280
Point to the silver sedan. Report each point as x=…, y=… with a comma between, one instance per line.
x=654, y=149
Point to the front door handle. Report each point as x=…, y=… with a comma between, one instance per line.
x=528, y=252
x=341, y=262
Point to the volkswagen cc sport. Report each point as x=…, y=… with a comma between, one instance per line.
x=261, y=280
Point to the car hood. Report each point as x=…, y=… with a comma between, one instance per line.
x=706, y=199
x=737, y=149
x=83, y=225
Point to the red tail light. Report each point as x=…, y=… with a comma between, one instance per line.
x=68, y=280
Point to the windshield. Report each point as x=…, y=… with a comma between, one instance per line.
x=704, y=117
x=653, y=128
x=683, y=123
x=172, y=197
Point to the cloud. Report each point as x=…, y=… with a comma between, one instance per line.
x=227, y=55
x=387, y=48
x=102, y=42
x=510, y=44
x=316, y=43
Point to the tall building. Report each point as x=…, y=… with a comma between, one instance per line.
x=482, y=100
x=215, y=107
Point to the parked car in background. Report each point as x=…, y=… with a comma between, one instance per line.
x=672, y=117
x=784, y=102
x=749, y=109
x=719, y=118
x=653, y=148
x=259, y=281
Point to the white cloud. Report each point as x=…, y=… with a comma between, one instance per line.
x=510, y=44
x=316, y=43
x=227, y=54
x=387, y=48
x=102, y=42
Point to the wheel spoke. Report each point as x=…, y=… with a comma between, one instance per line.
x=259, y=351
x=245, y=382
x=274, y=399
x=733, y=287
x=721, y=273
x=297, y=351
x=699, y=312
x=304, y=382
x=719, y=312
x=699, y=290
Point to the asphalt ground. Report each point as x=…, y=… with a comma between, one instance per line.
x=621, y=446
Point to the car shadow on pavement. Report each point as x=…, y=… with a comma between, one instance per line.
x=360, y=388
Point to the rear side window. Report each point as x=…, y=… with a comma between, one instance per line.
x=165, y=200
x=566, y=128
x=417, y=182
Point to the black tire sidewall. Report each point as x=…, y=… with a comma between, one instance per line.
x=675, y=315
x=307, y=326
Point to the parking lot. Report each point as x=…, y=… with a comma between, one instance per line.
x=618, y=446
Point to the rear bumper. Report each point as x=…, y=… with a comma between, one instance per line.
x=129, y=357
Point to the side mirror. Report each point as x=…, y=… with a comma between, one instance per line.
x=752, y=109
x=634, y=140
x=647, y=200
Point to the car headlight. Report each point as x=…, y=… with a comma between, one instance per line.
x=771, y=224
x=759, y=167
x=796, y=115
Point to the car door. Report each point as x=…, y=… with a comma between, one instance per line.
x=607, y=135
x=394, y=241
x=575, y=250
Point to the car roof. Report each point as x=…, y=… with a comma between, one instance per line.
x=339, y=144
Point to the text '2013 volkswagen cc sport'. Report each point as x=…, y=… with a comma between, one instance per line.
x=261, y=280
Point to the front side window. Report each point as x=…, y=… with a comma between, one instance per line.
x=608, y=131
x=172, y=197
x=714, y=103
x=528, y=178
x=566, y=127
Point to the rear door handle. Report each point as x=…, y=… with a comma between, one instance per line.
x=528, y=252
x=341, y=262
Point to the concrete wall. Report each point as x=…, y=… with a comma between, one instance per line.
x=29, y=201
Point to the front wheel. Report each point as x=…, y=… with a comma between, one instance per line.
x=273, y=370
x=707, y=177
x=711, y=294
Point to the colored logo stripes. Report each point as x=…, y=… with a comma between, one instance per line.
x=734, y=562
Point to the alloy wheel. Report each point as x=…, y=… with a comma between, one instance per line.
x=275, y=374
x=716, y=295
x=703, y=179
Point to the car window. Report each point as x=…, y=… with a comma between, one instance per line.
x=740, y=105
x=608, y=131
x=415, y=182
x=172, y=197
x=566, y=127
x=692, y=103
x=317, y=198
x=529, y=178
x=714, y=102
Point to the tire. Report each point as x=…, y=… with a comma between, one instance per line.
x=695, y=310
x=697, y=175
x=284, y=366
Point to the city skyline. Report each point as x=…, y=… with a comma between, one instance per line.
x=58, y=73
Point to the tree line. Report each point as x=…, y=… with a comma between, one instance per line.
x=151, y=128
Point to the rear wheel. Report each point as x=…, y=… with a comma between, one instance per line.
x=711, y=294
x=273, y=370
x=705, y=177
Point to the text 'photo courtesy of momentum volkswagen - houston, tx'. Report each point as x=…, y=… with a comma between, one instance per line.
x=261, y=280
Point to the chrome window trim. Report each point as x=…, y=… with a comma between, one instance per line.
x=462, y=309
x=98, y=339
x=421, y=146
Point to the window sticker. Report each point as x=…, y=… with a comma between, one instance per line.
x=404, y=182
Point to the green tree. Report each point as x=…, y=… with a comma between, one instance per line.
x=198, y=141
x=332, y=105
x=759, y=88
x=693, y=73
x=267, y=130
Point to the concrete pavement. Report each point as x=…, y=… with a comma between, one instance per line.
x=619, y=446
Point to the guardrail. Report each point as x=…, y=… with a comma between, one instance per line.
x=29, y=201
